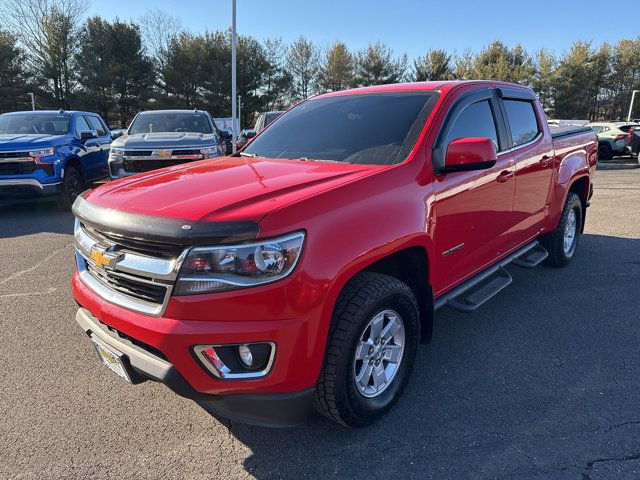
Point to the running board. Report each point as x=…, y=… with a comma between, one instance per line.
x=478, y=294
x=532, y=258
x=476, y=291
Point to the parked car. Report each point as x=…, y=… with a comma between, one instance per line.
x=613, y=138
x=51, y=153
x=244, y=137
x=163, y=138
x=265, y=119
x=307, y=268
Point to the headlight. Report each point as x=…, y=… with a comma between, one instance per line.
x=210, y=152
x=44, y=152
x=116, y=154
x=215, y=269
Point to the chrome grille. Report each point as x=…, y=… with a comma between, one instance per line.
x=135, y=277
x=128, y=285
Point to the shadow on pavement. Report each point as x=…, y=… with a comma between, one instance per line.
x=619, y=163
x=30, y=217
x=538, y=383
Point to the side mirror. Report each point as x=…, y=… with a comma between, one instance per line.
x=117, y=134
x=466, y=154
x=225, y=135
x=88, y=135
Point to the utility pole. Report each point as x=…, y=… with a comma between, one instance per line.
x=33, y=101
x=633, y=97
x=233, y=77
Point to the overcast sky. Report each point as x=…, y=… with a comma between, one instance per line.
x=409, y=26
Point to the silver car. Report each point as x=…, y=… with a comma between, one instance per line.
x=163, y=138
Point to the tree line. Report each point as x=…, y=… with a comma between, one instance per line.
x=117, y=68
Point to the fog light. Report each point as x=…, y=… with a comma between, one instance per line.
x=245, y=355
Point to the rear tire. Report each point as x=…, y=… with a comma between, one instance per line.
x=72, y=186
x=361, y=378
x=605, y=152
x=563, y=241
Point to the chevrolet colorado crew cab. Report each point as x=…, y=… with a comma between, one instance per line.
x=306, y=269
x=162, y=138
x=51, y=153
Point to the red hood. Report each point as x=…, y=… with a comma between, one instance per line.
x=226, y=188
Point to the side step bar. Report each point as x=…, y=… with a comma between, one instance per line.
x=532, y=258
x=476, y=291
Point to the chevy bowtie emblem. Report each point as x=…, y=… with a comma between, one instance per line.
x=162, y=153
x=103, y=258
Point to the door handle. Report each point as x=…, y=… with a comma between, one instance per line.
x=505, y=176
x=545, y=161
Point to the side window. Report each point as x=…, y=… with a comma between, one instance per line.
x=476, y=120
x=522, y=120
x=81, y=125
x=97, y=125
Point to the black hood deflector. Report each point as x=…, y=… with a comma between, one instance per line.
x=162, y=229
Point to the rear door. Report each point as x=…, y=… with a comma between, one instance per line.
x=534, y=161
x=473, y=209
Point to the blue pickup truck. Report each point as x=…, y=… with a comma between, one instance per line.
x=52, y=153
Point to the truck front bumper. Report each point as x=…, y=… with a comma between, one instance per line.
x=270, y=409
x=27, y=187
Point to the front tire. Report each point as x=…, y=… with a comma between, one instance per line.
x=563, y=241
x=72, y=186
x=371, y=348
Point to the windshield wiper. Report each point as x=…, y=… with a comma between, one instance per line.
x=307, y=159
x=250, y=155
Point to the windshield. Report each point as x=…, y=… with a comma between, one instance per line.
x=373, y=128
x=32, y=124
x=188, y=122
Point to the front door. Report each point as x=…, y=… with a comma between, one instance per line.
x=473, y=210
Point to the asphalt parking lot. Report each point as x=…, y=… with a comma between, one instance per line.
x=541, y=383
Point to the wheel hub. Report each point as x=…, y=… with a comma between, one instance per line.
x=570, y=231
x=379, y=353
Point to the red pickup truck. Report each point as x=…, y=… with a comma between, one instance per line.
x=306, y=270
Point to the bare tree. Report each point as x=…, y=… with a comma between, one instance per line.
x=158, y=28
x=48, y=30
x=302, y=62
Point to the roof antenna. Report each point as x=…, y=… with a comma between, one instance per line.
x=61, y=111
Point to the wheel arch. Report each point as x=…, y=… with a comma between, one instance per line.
x=410, y=264
x=74, y=161
x=581, y=186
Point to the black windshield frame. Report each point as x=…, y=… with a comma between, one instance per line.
x=377, y=154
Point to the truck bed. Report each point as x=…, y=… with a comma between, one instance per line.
x=558, y=132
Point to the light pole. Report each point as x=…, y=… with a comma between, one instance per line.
x=633, y=97
x=33, y=101
x=233, y=77
x=239, y=113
